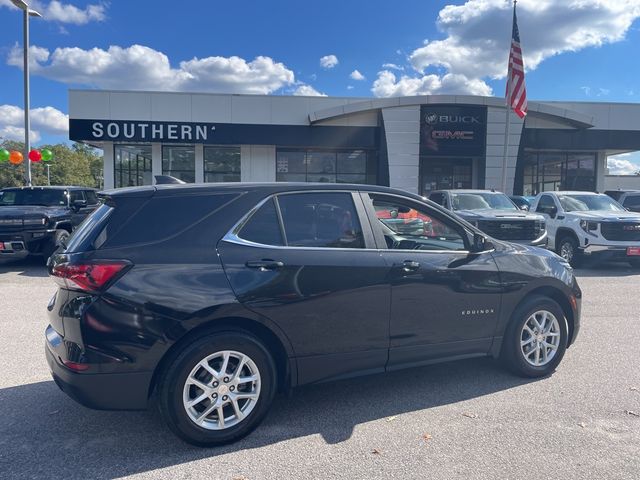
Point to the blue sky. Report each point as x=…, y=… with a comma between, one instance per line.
x=573, y=50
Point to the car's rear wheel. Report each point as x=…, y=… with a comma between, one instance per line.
x=567, y=248
x=536, y=338
x=218, y=389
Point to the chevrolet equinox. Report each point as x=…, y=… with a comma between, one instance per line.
x=206, y=300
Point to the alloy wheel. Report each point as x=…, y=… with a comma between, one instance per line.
x=221, y=390
x=540, y=338
x=567, y=251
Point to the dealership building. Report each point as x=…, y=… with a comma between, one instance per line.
x=418, y=143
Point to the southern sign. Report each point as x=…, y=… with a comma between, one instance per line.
x=131, y=131
x=448, y=130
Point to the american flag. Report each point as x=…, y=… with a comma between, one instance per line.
x=516, y=89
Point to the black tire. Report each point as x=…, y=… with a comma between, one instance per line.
x=59, y=238
x=512, y=355
x=634, y=262
x=172, y=382
x=567, y=248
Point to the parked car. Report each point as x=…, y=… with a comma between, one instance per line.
x=37, y=220
x=584, y=224
x=495, y=214
x=207, y=299
x=521, y=202
x=629, y=199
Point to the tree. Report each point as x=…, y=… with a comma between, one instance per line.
x=77, y=164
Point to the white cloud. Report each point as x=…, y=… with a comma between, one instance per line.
x=329, y=61
x=142, y=68
x=64, y=12
x=356, y=75
x=476, y=42
x=43, y=120
x=387, y=85
x=307, y=91
x=350, y=87
x=624, y=164
x=392, y=66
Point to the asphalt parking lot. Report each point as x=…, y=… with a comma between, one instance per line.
x=467, y=419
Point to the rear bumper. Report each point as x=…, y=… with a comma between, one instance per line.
x=101, y=391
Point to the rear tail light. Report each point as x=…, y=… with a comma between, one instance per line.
x=87, y=277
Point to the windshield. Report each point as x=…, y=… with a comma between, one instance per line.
x=481, y=201
x=583, y=203
x=42, y=197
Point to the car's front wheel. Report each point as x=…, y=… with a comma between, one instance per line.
x=218, y=389
x=536, y=338
x=568, y=249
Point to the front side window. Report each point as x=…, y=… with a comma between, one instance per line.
x=409, y=226
x=221, y=164
x=179, y=162
x=632, y=201
x=92, y=198
x=582, y=203
x=545, y=204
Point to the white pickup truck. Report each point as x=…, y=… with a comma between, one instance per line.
x=581, y=224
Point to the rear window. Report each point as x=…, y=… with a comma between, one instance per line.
x=263, y=227
x=164, y=217
x=84, y=236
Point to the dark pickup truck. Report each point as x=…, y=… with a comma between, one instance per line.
x=37, y=220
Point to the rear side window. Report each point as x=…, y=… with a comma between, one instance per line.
x=163, y=217
x=324, y=219
x=263, y=226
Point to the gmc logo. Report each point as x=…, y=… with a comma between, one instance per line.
x=632, y=228
x=452, y=135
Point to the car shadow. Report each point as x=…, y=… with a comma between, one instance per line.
x=603, y=268
x=43, y=431
x=31, y=266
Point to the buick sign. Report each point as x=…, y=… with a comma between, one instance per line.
x=453, y=130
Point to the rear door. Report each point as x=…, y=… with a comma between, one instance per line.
x=300, y=259
x=445, y=301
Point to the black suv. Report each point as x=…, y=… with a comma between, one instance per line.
x=206, y=300
x=37, y=220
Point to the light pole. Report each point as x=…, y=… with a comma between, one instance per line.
x=22, y=5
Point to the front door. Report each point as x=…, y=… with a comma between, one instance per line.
x=445, y=300
x=445, y=174
x=301, y=261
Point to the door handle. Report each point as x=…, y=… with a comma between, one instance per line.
x=410, y=266
x=264, y=265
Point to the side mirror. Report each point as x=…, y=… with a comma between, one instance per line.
x=553, y=211
x=524, y=207
x=481, y=243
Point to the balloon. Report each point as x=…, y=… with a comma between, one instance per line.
x=4, y=155
x=15, y=157
x=47, y=154
x=35, y=155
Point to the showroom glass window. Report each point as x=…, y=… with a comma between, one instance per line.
x=132, y=165
x=221, y=164
x=326, y=166
x=179, y=162
x=549, y=171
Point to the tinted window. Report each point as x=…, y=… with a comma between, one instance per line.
x=263, y=226
x=321, y=220
x=51, y=197
x=163, y=217
x=91, y=197
x=545, y=203
x=632, y=201
x=437, y=198
x=75, y=195
x=408, y=226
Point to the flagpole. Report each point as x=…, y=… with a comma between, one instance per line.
x=507, y=125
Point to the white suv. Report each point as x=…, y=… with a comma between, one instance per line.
x=586, y=224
